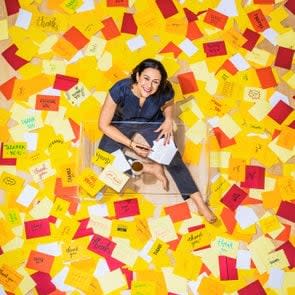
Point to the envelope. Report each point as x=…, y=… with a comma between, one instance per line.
x=254, y=177
x=215, y=18
x=12, y=58
x=258, y=20
x=10, y=278
x=178, y=212
x=280, y=112
x=110, y=29
x=284, y=57
x=64, y=83
x=252, y=288
x=126, y=208
x=101, y=245
x=193, y=32
x=287, y=211
x=129, y=25
x=234, y=197
x=227, y=268
x=266, y=77
x=40, y=261
x=171, y=47
x=43, y=281
x=187, y=82
x=289, y=251
x=7, y=88
x=37, y=228
x=216, y=48
x=252, y=38
x=167, y=8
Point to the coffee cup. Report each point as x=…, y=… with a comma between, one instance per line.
x=136, y=167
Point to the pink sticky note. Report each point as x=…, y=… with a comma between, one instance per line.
x=227, y=268
x=43, y=280
x=280, y=112
x=126, y=208
x=37, y=228
x=216, y=48
x=12, y=6
x=289, y=250
x=234, y=197
x=128, y=24
x=252, y=38
x=253, y=288
x=167, y=7
x=14, y=60
x=287, y=211
x=64, y=83
x=82, y=230
x=284, y=58
x=101, y=245
x=254, y=177
x=113, y=263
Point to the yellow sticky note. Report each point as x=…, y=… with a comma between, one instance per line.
x=11, y=183
x=209, y=285
x=187, y=265
x=158, y=252
x=141, y=233
x=60, y=207
x=101, y=226
x=197, y=132
x=13, y=217
x=3, y=29
x=162, y=228
x=78, y=279
x=234, y=38
x=9, y=278
x=95, y=47
x=53, y=67
x=229, y=126
x=74, y=250
x=254, y=94
x=64, y=49
x=219, y=159
x=7, y=235
x=102, y=158
x=269, y=224
x=236, y=169
x=286, y=186
x=68, y=172
x=67, y=229
x=175, y=284
x=28, y=71
x=258, y=56
x=176, y=25
x=89, y=181
x=283, y=154
x=226, y=247
x=42, y=171
x=155, y=277
x=125, y=254
x=4, y=116
x=286, y=138
x=122, y=229
x=70, y=6
x=27, y=49
x=277, y=259
x=14, y=150
x=188, y=117
x=142, y=287
x=260, y=109
x=191, y=153
x=112, y=281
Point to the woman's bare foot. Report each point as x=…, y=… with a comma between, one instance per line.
x=203, y=208
x=158, y=171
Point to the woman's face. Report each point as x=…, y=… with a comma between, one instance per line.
x=148, y=82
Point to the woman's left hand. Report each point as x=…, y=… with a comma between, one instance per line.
x=166, y=130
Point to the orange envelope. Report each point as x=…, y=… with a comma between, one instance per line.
x=110, y=29
x=258, y=20
x=178, y=212
x=193, y=32
x=7, y=88
x=171, y=47
x=40, y=261
x=187, y=82
x=64, y=48
x=216, y=19
x=117, y=3
x=266, y=77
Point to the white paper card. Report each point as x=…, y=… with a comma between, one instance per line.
x=27, y=195
x=23, y=19
x=161, y=153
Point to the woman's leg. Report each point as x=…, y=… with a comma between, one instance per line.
x=182, y=177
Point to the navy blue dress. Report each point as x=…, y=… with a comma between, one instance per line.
x=131, y=118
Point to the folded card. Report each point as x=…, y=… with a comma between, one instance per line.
x=161, y=153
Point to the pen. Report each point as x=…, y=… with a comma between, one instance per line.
x=143, y=148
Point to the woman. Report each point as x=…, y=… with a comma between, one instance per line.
x=143, y=104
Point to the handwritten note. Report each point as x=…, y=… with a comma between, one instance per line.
x=47, y=102
x=40, y=261
x=9, y=278
x=14, y=150
x=89, y=181
x=101, y=246
x=37, y=228
x=102, y=158
x=126, y=208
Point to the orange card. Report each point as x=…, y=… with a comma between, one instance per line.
x=64, y=48
x=193, y=32
x=76, y=38
x=40, y=261
x=7, y=88
x=187, y=82
x=258, y=20
x=266, y=77
x=171, y=47
x=215, y=19
x=178, y=212
x=117, y=3
x=47, y=103
x=110, y=29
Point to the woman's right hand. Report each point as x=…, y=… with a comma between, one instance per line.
x=140, y=149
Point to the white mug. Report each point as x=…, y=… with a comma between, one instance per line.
x=136, y=167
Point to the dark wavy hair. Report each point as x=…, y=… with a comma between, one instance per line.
x=165, y=86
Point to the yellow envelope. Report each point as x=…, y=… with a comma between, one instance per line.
x=67, y=229
x=158, y=253
x=258, y=56
x=142, y=287
x=277, y=259
x=125, y=254
x=11, y=183
x=70, y=6
x=7, y=233
x=74, y=250
x=112, y=281
x=59, y=208
x=101, y=226
x=9, y=278
x=64, y=48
